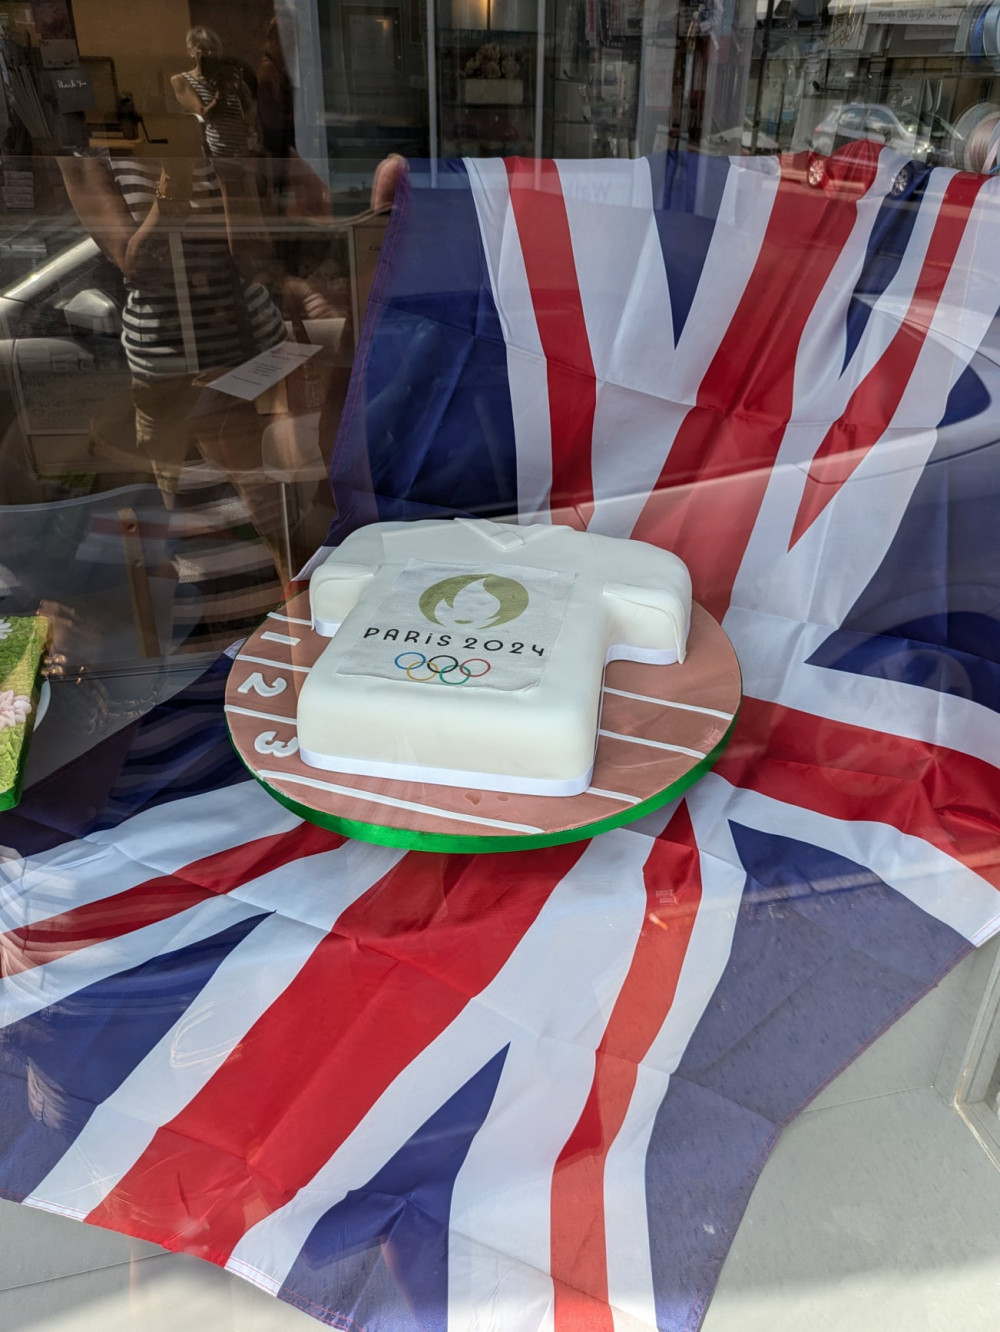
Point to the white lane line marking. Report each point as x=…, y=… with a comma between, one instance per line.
x=612, y=795
x=653, y=744
x=278, y=665
x=669, y=703
x=265, y=716
x=288, y=619
x=280, y=638
x=398, y=804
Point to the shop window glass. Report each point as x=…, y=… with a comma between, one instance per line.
x=195, y=197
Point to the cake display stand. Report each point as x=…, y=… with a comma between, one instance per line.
x=661, y=728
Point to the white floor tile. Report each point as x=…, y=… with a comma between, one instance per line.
x=166, y=1293
x=906, y=1056
x=880, y=1215
x=38, y=1246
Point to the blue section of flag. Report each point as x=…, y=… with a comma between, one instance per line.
x=180, y=748
x=396, y=1225
x=930, y=615
x=66, y=805
x=430, y=407
x=824, y=956
x=58, y=1065
x=924, y=652
x=886, y=245
x=968, y=398
x=687, y=192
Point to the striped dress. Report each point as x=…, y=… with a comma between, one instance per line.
x=228, y=134
x=199, y=314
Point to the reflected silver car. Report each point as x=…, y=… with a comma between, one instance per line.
x=928, y=137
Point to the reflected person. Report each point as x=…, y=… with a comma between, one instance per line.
x=216, y=91
x=193, y=308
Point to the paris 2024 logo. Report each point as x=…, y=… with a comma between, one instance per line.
x=474, y=601
x=465, y=603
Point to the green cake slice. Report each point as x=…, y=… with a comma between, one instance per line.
x=22, y=646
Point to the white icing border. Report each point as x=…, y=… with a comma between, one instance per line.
x=473, y=781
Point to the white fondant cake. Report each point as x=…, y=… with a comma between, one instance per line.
x=471, y=653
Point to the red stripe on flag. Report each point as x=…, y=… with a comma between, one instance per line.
x=547, y=248
x=949, y=799
x=398, y=966
x=874, y=402
x=157, y=899
x=578, y=1245
x=745, y=400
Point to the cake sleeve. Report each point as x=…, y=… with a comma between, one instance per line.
x=648, y=620
x=334, y=590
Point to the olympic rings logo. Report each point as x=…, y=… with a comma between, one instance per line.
x=438, y=672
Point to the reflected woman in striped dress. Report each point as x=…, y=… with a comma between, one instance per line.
x=216, y=92
x=192, y=260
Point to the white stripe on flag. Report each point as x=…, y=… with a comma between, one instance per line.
x=587, y=927
x=630, y=1278
x=623, y=289
x=744, y=212
x=819, y=398
x=242, y=989
x=774, y=657
x=527, y=374
x=501, y=1206
x=823, y=575
x=964, y=312
x=821, y=394
x=855, y=530
x=929, y=878
x=29, y=991
x=26, y=992
x=745, y=209
x=142, y=847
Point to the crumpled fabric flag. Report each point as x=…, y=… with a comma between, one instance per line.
x=410, y=1091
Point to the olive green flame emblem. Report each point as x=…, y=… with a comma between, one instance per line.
x=496, y=600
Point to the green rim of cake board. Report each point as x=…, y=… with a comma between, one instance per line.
x=408, y=840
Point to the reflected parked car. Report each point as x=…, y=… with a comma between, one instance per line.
x=76, y=295
x=928, y=136
x=60, y=354
x=66, y=412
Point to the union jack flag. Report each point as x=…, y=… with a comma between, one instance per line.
x=533, y=1090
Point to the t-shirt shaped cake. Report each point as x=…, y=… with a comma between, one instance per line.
x=471, y=653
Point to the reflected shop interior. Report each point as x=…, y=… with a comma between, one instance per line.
x=154, y=518
x=197, y=201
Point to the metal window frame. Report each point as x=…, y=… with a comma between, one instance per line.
x=967, y=1070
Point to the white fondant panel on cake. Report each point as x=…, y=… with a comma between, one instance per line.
x=574, y=600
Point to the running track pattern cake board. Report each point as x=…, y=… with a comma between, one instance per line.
x=661, y=728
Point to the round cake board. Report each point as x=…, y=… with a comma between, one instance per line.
x=661, y=729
